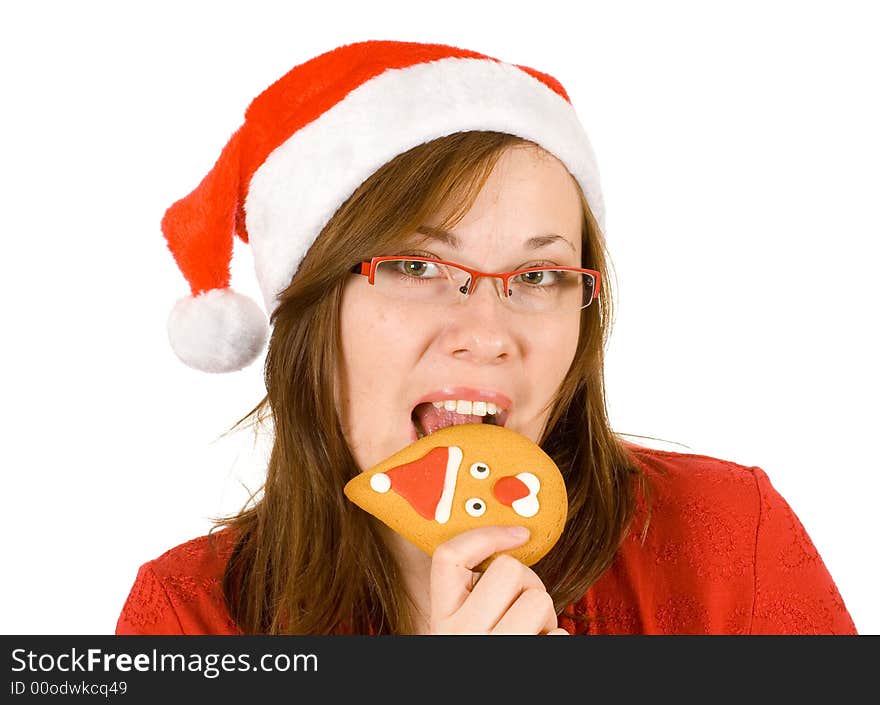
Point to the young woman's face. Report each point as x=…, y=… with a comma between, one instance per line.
x=398, y=354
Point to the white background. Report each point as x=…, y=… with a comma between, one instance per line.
x=739, y=152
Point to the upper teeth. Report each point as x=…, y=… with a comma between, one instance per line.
x=466, y=406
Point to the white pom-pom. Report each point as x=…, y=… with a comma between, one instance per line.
x=217, y=331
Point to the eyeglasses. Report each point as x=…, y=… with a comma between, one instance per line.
x=531, y=290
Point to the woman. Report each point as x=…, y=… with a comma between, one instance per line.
x=442, y=157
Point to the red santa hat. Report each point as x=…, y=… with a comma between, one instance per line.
x=309, y=140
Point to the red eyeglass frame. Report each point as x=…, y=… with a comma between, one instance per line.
x=368, y=269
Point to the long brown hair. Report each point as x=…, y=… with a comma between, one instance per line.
x=308, y=561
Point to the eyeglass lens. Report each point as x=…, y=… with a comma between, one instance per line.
x=539, y=291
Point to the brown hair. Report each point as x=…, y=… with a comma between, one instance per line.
x=308, y=561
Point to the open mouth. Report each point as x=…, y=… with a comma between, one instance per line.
x=432, y=416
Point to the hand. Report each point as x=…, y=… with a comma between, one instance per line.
x=509, y=598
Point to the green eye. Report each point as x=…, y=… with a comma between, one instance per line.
x=415, y=267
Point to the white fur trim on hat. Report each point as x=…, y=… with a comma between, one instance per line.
x=217, y=331
x=303, y=182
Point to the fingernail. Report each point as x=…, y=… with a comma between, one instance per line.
x=518, y=532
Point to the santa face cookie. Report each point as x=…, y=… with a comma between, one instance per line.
x=463, y=477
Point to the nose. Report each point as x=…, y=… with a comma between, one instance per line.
x=481, y=329
x=509, y=488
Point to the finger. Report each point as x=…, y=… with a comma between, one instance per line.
x=503, y=582
x=531, y=613
x=559, y=631
x=453, y=560
x=475, y=577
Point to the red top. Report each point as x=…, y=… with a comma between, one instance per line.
x=724, y=554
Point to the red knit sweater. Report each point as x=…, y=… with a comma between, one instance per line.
x=724, y=554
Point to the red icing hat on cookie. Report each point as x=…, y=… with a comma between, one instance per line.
x=306, y=144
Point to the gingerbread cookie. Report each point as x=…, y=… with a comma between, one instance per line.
x=462, y=477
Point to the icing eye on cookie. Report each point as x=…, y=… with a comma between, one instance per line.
x=475, y=506
x=480, y=471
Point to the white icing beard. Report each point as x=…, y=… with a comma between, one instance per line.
x=528, y=506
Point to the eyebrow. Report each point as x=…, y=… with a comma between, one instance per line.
x=447, y=238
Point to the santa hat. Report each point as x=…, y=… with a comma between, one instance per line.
x=306, y=144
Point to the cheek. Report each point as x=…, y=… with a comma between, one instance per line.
x=555, y=348
x=377, y=348
x=553, y=351
x=370, y=337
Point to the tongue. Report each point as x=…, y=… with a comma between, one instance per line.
x=431, y=419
